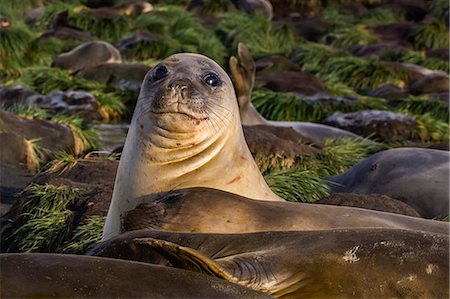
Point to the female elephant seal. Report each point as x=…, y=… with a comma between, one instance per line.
x=185, y=132
x=346, y=263
x=88, y=55
x=43, y=275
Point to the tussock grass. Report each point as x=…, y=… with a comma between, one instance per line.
x=44, y=231
x=176, y=30
x=153, y=23
x=27, y=111
x=438, y=8
x=361, y=73
x=430, y=129
x=85, y=236
x=341, y=154
x=46, y=79
x=269, y=163
x=355, y=35
x=61, y=163
x=13, y=43
x=260, y=36
x=46, y=216
x=284, y=106
x=295, y=185
x=418, y=58
x=425, y=105
x=35, y=155
x=336, y=16
x=85, y=136
x=214, y=6
x=379, y=16
x=109, y=28
x=431, y=35
x=111, y=105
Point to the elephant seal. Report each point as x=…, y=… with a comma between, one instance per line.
x=351, y=263
x=243, y=75
x=40, y=275
x=185, y=132
x=417, y=176
x=214, y=211
x=87, y=55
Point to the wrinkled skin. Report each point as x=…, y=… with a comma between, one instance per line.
x=346, y=263
x=184, y=133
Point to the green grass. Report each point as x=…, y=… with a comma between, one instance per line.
x=313, y=56
x=295, y=185
x=27, y=111
x=336, y=16
x=260, y=36
x=421, y=105
x=46, y=218
x=13, y=43
x=35, y=154
x=176, y=30
x=111, y=105
x=355, y=35
x=84, y=236
x=339, y=67
x=438, y=8
x=85, y=136
x=430, y=129
x=288, y=107
x=61, y=162
x=214, y=6
x=109, y=28
x=341, y=154
x=361, y=73
x=46, y=79
x=380, y=16
x=414, y=57
x=431, y=35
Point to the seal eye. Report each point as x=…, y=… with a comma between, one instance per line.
x=159, y=72
x=212, y=80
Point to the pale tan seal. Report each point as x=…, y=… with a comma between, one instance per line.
x=185, y=132
x=88, y=55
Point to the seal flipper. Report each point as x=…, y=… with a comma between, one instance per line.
x=235, y=269
x=187, y=258
x=243, y=74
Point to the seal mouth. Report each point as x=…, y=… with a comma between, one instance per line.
x=191, y=117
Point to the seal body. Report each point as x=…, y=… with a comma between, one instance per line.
x=185, y=132
x=344, y=263
x=416, y=176
x=88, y=55
x=214, y=211
x=41, y=275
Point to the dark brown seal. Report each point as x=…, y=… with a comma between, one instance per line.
x=70, y=276
x=353, y=263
